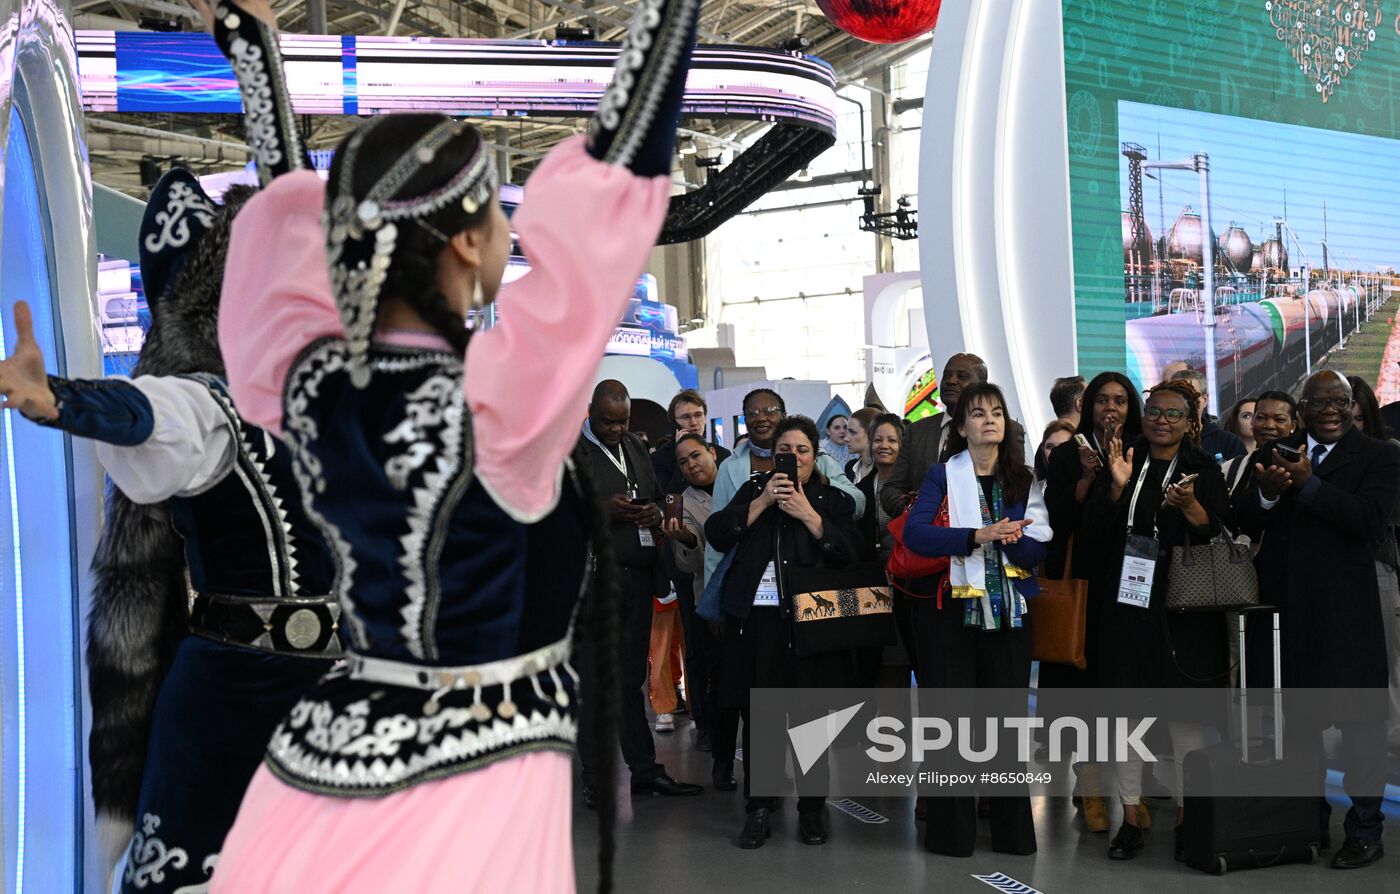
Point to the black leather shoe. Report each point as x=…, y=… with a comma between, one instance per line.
x=1356, y=854
x=1179, y=846
x=702, y=741
x=1128, y=843
x=590, y=797
x=722, y=775
x=664, y=785
x=811, y=828
x=756, y=829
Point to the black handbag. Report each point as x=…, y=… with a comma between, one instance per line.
x=1212, y=577
x=839, y=609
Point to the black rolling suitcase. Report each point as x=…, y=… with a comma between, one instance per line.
x=1248, y=832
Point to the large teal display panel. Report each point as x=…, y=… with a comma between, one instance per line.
x=38, y=594
x=1295, y=102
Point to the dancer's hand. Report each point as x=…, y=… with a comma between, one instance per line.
x=23, y=382
x=258, y=9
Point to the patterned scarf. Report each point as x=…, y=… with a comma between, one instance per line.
x=994, y=612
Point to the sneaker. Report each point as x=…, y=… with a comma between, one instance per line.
x=665, y=723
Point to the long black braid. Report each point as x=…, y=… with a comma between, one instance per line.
x=598, y=627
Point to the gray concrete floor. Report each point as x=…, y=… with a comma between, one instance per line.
x=683, y=845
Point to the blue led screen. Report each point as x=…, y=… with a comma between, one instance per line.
x=38, y=597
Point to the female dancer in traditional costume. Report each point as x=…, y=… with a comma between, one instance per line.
x=180, y=723
x=439, y=759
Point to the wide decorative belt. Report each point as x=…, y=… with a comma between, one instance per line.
x=303, y=626
x=531, y=666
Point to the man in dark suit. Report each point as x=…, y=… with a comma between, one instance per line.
x=1323, y=518
x=618, y=465
x=927, y=439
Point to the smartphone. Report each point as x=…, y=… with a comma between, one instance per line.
x=1292, y=454
x=786, y=463
x=639, y=501
x=675, y=507
x=1186, y=479
x=1081, y=440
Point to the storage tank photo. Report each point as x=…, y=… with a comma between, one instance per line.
x=1184, y=238
x=1237, y=249
x=1244, y=350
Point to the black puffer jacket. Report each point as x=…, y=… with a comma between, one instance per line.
x=777, y=536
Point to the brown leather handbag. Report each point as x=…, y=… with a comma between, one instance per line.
x=1058, y=617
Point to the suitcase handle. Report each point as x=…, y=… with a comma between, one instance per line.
x=1244, y=684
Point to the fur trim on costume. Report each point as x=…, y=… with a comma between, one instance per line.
x=140, y=605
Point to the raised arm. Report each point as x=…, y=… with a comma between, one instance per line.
x=591, y=216
x=246, y=32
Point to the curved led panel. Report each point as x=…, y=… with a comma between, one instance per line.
x=133, y=71
x=130, y=71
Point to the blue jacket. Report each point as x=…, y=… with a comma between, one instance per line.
x=924, y=538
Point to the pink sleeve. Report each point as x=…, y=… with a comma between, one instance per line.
x=277, y=293
x=587, y=228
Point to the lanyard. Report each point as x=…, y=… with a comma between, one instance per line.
x=619, y=461
x=1137, y=491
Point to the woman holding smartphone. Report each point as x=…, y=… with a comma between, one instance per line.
x=792, y=518
x=1111, y=409
x=1162, y=492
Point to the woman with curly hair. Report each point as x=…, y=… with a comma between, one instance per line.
x=1162, y=491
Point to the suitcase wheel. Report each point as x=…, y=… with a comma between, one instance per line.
x=1221, y=867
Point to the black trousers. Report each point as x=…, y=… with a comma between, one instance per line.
x=701, y=656
x=1363, y=765
x=634, y=642
x=758, y=653
x=954, y=656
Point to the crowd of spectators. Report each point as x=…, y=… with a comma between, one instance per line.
x=1313, y=484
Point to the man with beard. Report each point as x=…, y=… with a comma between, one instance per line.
x=1325, y=514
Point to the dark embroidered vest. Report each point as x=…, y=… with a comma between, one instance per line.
x=255, y=559
x=442, y=590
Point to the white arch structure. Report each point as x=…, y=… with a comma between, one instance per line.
x=994, y=214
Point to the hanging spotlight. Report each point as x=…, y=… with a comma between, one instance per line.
x=803, y=176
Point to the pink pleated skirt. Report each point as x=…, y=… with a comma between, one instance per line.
x=506, y=827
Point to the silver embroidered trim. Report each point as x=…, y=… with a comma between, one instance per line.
x=182, y=203
x=267, y=112
x=148, y=858
x=433, y=428
x=211, y=863
x=616, y=110
x=359, y=757
x=300, y=431
x=257, y=479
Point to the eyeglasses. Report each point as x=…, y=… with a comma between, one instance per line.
x=1172, y=413
x=768, y=412
x=1317, y=404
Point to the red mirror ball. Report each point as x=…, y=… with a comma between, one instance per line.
x=882, y=21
